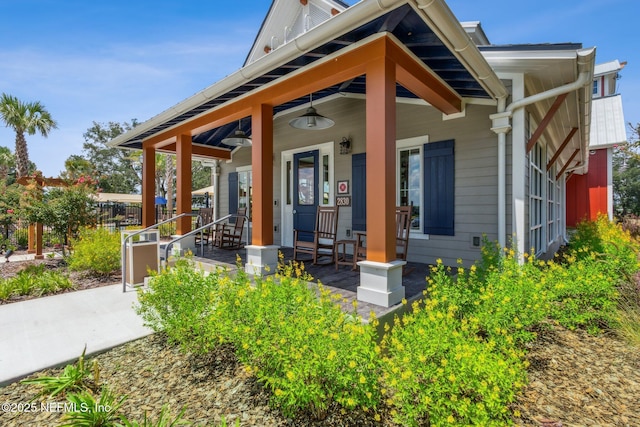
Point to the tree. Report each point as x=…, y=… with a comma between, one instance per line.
x=25, y=117
x=66, y=210
x=626, y=175
x=7, y=164
x=9, y=204
x=166, y=176
x=77, y=166
x=200, y=175
x=115, y=170
x=120, y=171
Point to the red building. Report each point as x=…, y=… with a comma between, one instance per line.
x=591, y=194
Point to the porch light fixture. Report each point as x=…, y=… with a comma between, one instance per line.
x=311, y=120
x=345, y=145
x=239, y=138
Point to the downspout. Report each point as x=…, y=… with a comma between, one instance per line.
x=583, y=78
x=501, y=124
x=215, y=171
x=502, y=181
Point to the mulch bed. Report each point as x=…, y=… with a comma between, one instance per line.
x=80, y=280
x=575, y=379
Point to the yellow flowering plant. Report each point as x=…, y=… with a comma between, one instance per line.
x=300, y=343
x=437, y=371
x=179, y=301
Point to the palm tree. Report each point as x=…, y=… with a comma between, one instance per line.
x=29, y=117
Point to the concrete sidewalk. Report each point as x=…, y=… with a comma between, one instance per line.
x=52, y=331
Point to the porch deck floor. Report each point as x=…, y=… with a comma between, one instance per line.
x=344, y=281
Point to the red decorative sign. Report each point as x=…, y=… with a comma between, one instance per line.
x=343, y=187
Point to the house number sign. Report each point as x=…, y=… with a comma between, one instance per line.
x=343, y=201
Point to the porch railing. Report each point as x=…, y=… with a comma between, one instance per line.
x=201, y=229
x=135, y=233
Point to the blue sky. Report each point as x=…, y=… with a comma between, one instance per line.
x=115, y=60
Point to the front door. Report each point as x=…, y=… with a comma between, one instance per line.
x=305, y=184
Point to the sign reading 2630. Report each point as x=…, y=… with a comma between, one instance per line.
x=343, y=201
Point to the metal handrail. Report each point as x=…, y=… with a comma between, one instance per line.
x=200, y=229
x=124, y=243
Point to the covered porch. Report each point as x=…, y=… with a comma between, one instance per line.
x=343, y=281
x=373, y=53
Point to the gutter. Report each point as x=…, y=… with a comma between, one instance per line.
x=443, y=22
x=501, y=124
x=586, y=61
x=338, y=24
x=435, y=12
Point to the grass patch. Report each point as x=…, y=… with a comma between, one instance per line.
x=34, y=280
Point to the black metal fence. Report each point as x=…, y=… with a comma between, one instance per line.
x=16, y=235
x=111, y=215
x=119, y=214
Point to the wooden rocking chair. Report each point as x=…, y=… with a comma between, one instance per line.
x=207, y=218
x=323, y=243
x=403, y=228
x=229, y=236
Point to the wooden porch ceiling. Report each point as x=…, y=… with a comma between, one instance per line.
x=411, y=73
x=403, y=23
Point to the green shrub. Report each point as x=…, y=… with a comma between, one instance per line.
x=52, y=281
x=458, y=357
x=612, y=245
x=179, y=301
x=97, y=251
x=21, y=237
x=296, y=340
x=167, y=229
x=164, y=420
x=583, y=293
x=439, y=370
x=23, y=283
x=300, y=343
x=91, y=412
x=6, y=289
x=507, y=300
x=34, y=280
x=74, y=378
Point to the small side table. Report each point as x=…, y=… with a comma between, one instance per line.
x=342, y=257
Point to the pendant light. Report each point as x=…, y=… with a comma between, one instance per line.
x=311, y=120
x=239, y=138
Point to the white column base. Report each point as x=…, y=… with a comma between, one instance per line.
x=381, y=282
x=181, y=247
x=262, y=260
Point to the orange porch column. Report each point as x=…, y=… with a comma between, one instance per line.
x=183, y=182
x=31, y=248
x=381, y=138
x=148, y=185
x=39, y=231
x=262, y=170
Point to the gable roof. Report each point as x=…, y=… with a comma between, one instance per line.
x=287, y=19
x=430, y=33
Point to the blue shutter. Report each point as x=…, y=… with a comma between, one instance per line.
x=359, y=191
x=233, y=194
x=439, y=188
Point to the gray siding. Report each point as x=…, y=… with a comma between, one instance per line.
x=475, y=169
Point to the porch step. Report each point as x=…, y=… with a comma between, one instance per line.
x=205, y=264
x=210, y=265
